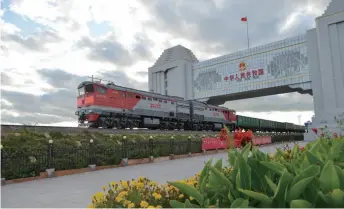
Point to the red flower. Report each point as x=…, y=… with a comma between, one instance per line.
x=242, y=138
x=315, y=130
x=302, y=149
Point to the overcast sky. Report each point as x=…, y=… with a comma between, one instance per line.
x=49, y=47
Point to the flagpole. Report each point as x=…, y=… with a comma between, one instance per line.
x=248, y=39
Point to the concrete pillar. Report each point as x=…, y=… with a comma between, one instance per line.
x=92, y=167
x=50, y=172
x=151, y=159
x=326, y=62
x=124, y=162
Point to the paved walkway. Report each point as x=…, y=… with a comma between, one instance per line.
x=75, y=191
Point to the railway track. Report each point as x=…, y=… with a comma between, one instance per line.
x=13, y=128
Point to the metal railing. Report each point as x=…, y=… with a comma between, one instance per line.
x=24, y=163
x=32, y=161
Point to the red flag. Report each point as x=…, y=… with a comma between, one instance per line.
x=244, y=19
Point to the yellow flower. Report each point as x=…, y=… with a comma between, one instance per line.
x=131, y=205
x=99, y=196
x=127, y=202
x=152, y=183
x=90, y=206
x=156, y=196
x=119, y=199
x=144, y=204
x=158, y=206
x=123, y=193
x=124, y=184
x=104, y=187
x=150, y=206
x=191, y=198
x=140, y=185
x=181, y=196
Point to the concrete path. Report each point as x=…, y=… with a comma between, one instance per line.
x=75, y=191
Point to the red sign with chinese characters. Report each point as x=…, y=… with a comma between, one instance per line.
x=260, y=140
x=214, y=143
x=155, y=106
x=245, y=75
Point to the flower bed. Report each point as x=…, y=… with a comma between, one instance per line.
x=310, y=176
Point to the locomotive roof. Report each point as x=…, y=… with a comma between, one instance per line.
x=146, y=93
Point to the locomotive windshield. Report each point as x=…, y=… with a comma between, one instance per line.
x=85, y=89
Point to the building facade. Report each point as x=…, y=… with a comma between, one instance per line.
x=312, y=63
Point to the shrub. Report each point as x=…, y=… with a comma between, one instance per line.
x=310, y=178
x=140, y=192
x=144, y=193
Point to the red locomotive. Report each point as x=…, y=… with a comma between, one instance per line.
x=112, y=106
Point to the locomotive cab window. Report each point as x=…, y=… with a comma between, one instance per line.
x=89, y=88
x=81, y=91
x=85, y=89
x=101, y=90
x=137, y=97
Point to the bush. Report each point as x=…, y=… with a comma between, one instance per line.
x=142, y=192
x=310, y=176
x=26, y=154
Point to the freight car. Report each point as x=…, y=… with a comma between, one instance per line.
x=256, y=124
x=112, y=106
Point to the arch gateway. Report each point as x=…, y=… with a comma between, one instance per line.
x=312, y=63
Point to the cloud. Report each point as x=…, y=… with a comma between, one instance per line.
x=51, y=46
x=34, y=42
x=219, y=29
x=56, y=106
x=107, y=50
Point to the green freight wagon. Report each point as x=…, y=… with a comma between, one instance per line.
x=267, y=125
x=247, y=122
x=280, y=126
x=289, y=127
x=299, y=128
